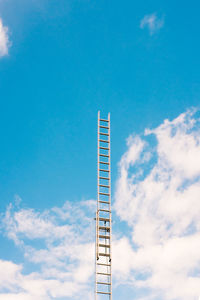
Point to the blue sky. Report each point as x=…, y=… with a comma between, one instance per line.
x=61, y=62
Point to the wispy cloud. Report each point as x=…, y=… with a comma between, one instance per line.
x=152, y=23
x=4, y=40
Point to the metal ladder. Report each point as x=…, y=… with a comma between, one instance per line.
x=103, y=262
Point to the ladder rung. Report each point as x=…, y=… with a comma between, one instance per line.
x=104, y=237
x=103, y=133
x=105, y=210
x=106, y=246
x=104, y=148
x=102, y=170
x=99, y=273
x=105, y=194
x=104, y=254
x=105, y=186
x=106, y=127
x=104, y=228
x=107, y=283
x=103, y=141
x=104, y=155
x=105, y=202
x=104, y=219
x=106, y=265
x=104, y=178
x=103, y=293
x=103, y=162
x=103, y=120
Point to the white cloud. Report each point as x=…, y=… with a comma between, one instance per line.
x=35, y=285
x=152, y=22
x=162, y=208
x=4, y=39
x=62, y=258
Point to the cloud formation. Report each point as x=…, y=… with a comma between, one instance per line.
x=4, y=39
x=152, y=23
x=158, y=196
x=60, y=243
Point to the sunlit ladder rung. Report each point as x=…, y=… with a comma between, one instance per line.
x=105, y=293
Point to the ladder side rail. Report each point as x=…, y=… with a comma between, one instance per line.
x=96, y=285
x=97, y=230
x=109, y=160
x=98, y=145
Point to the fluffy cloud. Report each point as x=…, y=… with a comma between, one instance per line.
x=4, y=40
x=152, y=22
x=158, y=196
x=62, y=254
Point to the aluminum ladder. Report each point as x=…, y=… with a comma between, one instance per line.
x=103, y=261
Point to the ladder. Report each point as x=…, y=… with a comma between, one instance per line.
x=103, y=262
